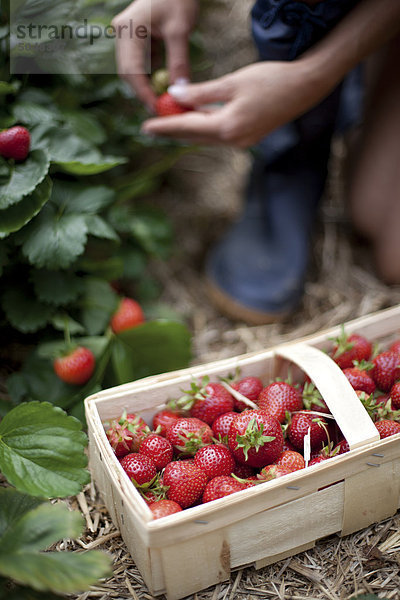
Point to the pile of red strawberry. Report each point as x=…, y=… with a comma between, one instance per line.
x=220, y=438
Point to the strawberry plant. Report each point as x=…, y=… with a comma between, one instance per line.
x=42, y=456
x=75, y=235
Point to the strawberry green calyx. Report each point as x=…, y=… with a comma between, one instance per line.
x=342, y=343
x=363, y=365
x=253, y=437
x=311, y=396
x=191, y=442
x=195, y=393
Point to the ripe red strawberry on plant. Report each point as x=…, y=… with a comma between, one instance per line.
x=299, y=425
x=128, y=314
x=386, y=370
x=139, y=468
x=206, y=401
x=349, y=348
x=188, y=434
x=278, y=398
x=164, y=508
x=222, y=486
x=76, y=366
x=158, y=448
x=248, y=386
x=215, y=460
x=167, y=106
x=163, y=419
x=15, y=143
x=255, y=438
x=186, y=482
x=386, y=428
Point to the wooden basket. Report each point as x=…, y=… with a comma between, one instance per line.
x=189, y=551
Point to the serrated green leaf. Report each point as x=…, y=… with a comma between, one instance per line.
x=78, y=198
x=31, y=113
x=25, y=313
x=13, y=506
x=151, y=348
x=24, y=178
x=98, y=304
x=35, y=530
x=16, y=216
x=86, y=125
x=61, y=321
x=102, y=164
x=98, y=227
x=75, y=154
x=54, y=240
x=42, y=450
x=9, y=87
x=109, y=269
x=56, y=287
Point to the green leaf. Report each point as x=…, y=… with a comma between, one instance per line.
x=21, y=549
x=151, y=348
x=42, y=450
x=16, y=216
x=25, y=313
x=24, y=178
x=109, y=269
x=86, y=125
x=56, y=287
x=13, y=506
x=76, y=198
x=55, y=240
x=98, y=304
x=9, y=87
x=62, y=320
x=100, y=228
x=10, y=590
x=153, y=232
x=31, y=113
x=75, y=154
x=134, y=261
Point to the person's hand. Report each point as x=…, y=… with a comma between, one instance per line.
x=169, y=20
x=255, y=100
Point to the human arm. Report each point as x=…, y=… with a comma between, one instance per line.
x=169, y=20
x=265, y=95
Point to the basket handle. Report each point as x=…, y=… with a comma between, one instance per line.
x=334, y=387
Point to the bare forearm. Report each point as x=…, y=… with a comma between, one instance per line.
x=370, y=25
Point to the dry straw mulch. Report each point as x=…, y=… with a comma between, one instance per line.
x=203, y=196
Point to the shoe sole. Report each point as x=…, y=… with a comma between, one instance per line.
x=238, y=312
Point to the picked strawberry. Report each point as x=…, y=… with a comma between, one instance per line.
x=386, y=370
x=360, y=380
x=318, y=459
x=349, y=348
x=186, y=482
x=158, y=448
x=139, y=468
x=163, y=419
x=76, y=366
x=395, y=347
x=387, y=427
x=164, y=508
x=300, y=423
x=278, y=398
x=206, y=401
x=129, y=314
x=341, y=447
x=291, y=460
x=167, y=106
x=255, y=438
x=250, y=387
x=15, y=143
x=243, y=471
x=221, y=426
x=287, y=445
x=126, y=433
x=188, y=434
x=274, y=471
x=395, y=396
x=222, y=486
x=215, y=460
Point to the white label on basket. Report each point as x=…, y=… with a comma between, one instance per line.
x=307, y=446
